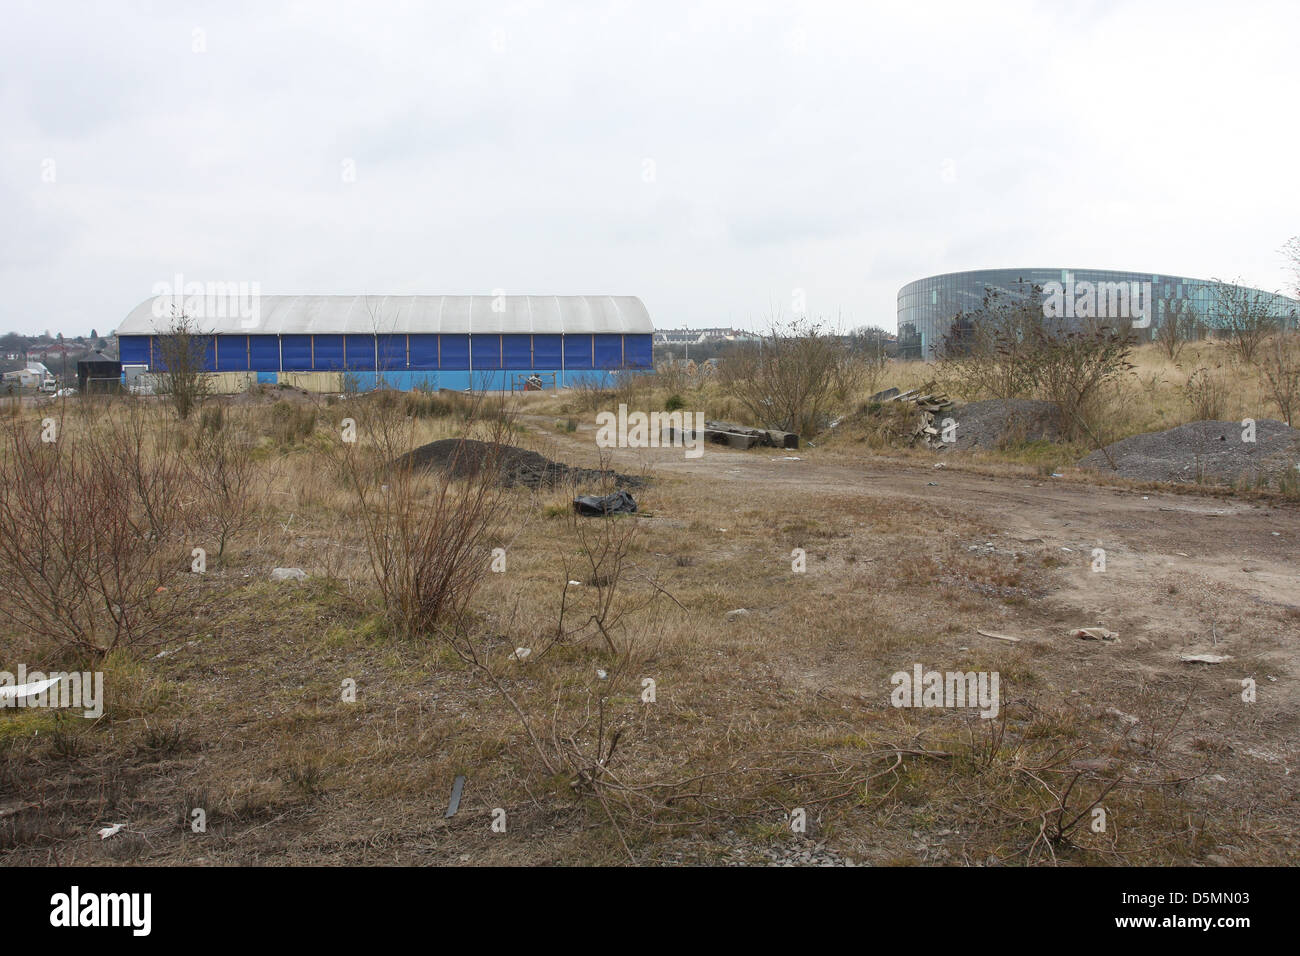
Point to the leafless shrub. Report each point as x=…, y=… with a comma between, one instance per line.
x=1206, y=391
x=427, y=532
x=1245, y=317
x=183, y=378
x=1279, y=363
x=221, y=468
x=789, y=379
x=90, y=539
x=991, y=353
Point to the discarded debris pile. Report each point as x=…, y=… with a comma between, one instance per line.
x=1203, y=452
x=931, y=405
x=743, y=436
x=464, y=457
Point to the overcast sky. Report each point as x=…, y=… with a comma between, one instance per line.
x=709, y=158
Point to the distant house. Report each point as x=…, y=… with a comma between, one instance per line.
x=35, y=375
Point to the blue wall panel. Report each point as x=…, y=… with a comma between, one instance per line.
x=295, y=351
x=133, y=349
x=455, y=352
x=424, y=351
x=265, y=353
x=518, y=351
x=638, y=351
x=609, y=351
x=485, y=352
x=328, y=353
x=232, y=353
x=547, y=351
x=392, y=353
x=577, y=351
x=359, y=351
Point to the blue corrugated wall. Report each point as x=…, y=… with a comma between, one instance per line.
x=418, y=360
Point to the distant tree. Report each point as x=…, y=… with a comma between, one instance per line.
x=1244, y=315
x=1292, y=252
x=94, y=334
x=1180, y=325
x=183, y=379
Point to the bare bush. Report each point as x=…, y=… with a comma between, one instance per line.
x=789, y=379
x=1279, y=363
x=427, y=532
x=990, y=353
x=1071, y=368
x=183, y=378
x=90, y=539
x=1206, y=391
x=1245, y=317
x=222, y=467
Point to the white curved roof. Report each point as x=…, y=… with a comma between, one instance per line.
x=393, y=314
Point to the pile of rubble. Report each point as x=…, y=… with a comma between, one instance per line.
x=930, y=404
x=742, y=436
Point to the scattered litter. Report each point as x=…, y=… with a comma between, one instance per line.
x=1057, y=474
x=457, y=788
x=1116, y=712
x=1204, y=658
x=288, y=574
x=522, y=652
x=1095, y=634
x=601, y=674
x=941, y=464
x=788, y=458
x=106, y=832
x=172, y=650
x=617, y=503
x=738, y=612
x=578, y=583
x=932, y=484
x=1071, y=550
x=999, y=637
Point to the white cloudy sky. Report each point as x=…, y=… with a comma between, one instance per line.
x=841, y=149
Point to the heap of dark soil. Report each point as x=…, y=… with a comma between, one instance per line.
x=1203, y=452
x=463, y=457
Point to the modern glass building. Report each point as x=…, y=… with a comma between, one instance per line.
x=928, y=307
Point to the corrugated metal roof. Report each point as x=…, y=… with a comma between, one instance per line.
x=394, y=314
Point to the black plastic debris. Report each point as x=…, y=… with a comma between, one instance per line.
x=618, y=503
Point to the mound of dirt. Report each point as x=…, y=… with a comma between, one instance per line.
x=993, y=423
x=518, y=466
x=1202, y=452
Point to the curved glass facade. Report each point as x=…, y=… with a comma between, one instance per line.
x=927, y=307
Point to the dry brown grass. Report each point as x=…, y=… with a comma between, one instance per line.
x=780, y=708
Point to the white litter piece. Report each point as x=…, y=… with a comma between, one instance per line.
x=522, y=652
x=288, y=574
x=1095, y=634
x=106, y=832
x=21, y=691
x=1204, y=658
x=601, y=674
x=999, y=637
x=578, y=583
x=787, y=458
x=738, y=612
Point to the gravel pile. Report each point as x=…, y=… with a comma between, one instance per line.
x=518, y=466
x=1206, y=452
x=990, y=424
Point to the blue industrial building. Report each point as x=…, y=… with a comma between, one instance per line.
x=420, y=341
